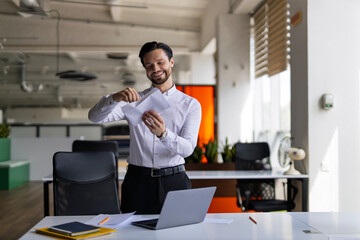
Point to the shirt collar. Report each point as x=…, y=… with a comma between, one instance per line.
x=168, y=92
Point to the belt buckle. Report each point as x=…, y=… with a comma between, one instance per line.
x=152, y=172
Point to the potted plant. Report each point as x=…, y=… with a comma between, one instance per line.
x=211, y=151
x=4, y=142
x=196, y=156
x=228, y=152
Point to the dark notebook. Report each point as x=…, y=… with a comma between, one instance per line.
x=74, y=229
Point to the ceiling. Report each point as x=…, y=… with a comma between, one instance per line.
x=39, y=38
x=88, y=31
x=185, y=14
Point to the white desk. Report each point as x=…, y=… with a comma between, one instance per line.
x=343, y=224
x=226, y=174
x=269, y=226
x=233, y=174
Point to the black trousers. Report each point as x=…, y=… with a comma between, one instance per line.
x=146, y=194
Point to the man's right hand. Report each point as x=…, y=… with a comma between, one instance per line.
x=128, y=95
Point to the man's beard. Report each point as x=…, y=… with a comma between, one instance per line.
x=161, y=81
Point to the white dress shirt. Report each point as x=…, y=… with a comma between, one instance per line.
x=182, y=122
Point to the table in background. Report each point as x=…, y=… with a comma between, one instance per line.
x=269, y=226
x=225, y=174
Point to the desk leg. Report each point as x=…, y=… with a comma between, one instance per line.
x=305, y=192
x=46, y=198
x=289, y=195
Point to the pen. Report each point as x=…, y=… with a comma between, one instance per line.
x=103, y=220
x=253, y=220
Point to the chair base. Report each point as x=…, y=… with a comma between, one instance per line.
x=270, y=205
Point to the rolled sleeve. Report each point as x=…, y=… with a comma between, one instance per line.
x=107, y=110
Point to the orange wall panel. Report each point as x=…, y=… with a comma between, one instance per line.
x=205, y=95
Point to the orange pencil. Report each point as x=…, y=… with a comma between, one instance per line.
x=253, y=220
x=103, y=220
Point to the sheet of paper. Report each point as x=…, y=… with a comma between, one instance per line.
x=114, y=222
x=218, y=220
x=153, y=100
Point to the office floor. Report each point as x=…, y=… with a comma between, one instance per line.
x=21, y=208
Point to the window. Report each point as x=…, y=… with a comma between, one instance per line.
x=271, y=37
x=271, y=73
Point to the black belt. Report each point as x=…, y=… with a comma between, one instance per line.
x=156, y=172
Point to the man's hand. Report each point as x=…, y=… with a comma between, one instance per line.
x=154, y=122
x=127, y=95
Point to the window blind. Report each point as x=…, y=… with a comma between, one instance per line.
x=271, y=37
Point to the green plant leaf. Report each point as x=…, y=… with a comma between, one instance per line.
x=228, y=152
x=211, y=151
x=4, y=130
x=196, y=156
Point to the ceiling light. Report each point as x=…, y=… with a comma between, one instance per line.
x=70, y=74
x=76, y=75
x=30, y=3
x=117, y=55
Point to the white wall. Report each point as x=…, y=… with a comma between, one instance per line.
x=233, y=83
x=47, y=115
x=202, y=68
x=208, y=25
x=39, y=151
x=325, y=58
x=196, y=68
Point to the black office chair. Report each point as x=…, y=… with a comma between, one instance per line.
x=95, y=146
x=85, y=183
x=258, y=194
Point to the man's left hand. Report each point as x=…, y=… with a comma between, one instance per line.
x=154, y=122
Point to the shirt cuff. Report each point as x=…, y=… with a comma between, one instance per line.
x=169, y=140
x=111, y=103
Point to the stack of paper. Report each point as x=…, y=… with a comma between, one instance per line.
x=114, y=220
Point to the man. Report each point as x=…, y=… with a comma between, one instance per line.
x=159, y=144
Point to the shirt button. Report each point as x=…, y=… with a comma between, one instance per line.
x=156, y=140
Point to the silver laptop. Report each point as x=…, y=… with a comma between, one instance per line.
x=181, y=207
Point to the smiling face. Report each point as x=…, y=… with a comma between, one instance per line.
x=158, y=67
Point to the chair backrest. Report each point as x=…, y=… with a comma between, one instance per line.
x=89, y=145
x=96, y=146
x=254, y=156
x=85, y=183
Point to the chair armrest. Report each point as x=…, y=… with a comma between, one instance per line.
x=239, y=200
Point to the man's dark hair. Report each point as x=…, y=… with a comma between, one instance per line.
x=150, y=46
